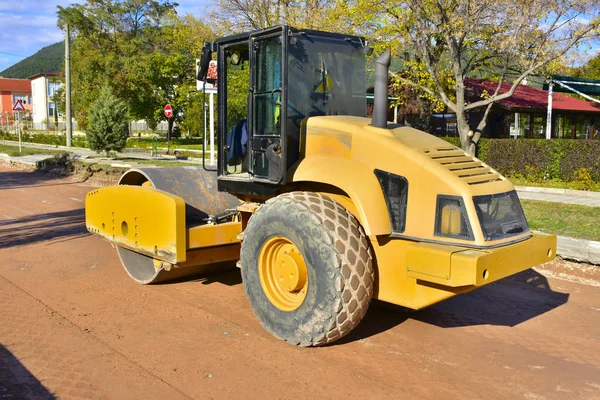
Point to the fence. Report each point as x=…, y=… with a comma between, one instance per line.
x=138, y=126
x=11, y=126
x=50, y=126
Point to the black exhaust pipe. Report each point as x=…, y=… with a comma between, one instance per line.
x=380, y=98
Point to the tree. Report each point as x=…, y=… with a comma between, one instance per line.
x=141, y=49
x=591, y=69
x=108, y=123
x=175, y=67
x=413, y=101
x=115, y=44
x=500, y=40
x=247, y=15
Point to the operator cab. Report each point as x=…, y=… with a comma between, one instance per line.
x=269, y=82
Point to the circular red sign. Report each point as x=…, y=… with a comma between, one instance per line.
x=168, y=111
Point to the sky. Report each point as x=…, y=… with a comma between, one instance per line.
x=28, y=25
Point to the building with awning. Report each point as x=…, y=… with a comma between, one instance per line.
x=525, y=114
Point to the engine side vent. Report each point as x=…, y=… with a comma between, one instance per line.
x=395, y=191
x=467, y=168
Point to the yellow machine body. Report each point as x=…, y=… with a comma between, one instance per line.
x=152, y=223
x=417, y=274
x=345, y=151
x=157, y=229
x=415, y=268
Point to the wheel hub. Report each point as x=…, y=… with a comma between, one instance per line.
x=283, y=274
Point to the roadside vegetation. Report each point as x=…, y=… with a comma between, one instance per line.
x=555, y=183
x=161, y=163
x=560, y=163
x=107, y=123
x=572, y=220
x=13, y=151
x=81, y=141
x=181, y=143
x=52, y=139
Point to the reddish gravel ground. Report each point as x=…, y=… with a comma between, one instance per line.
x=73, y=325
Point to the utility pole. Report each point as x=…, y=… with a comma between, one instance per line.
x=68, y=86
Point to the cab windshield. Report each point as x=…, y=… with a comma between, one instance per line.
x=326, y=76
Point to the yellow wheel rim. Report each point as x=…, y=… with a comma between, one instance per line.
x=282, y=273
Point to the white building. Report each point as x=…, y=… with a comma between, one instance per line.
x=43, y=87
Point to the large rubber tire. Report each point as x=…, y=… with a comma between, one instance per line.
x=338, y=261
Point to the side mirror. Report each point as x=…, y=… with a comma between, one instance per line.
x=205, y=58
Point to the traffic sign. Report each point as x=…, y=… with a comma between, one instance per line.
x=18, y=106
x=168, y=111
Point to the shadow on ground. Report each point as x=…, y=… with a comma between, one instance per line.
x=225, y=273
x=27, y=179
x=508, y=302
x=65, y=225
x=16, y=382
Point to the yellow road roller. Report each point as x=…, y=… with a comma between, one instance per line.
x=322, y=208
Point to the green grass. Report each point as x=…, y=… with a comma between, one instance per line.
x=555, y=183
x=191, y=147
x=44, y=138
x=183, y=143
x=572, y=220
x=13, y=151
x=162, y=163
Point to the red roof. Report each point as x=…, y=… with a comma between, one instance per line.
x=529, y=97
x=15, y=85
x=46, y=74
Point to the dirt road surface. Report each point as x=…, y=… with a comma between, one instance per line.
x=73, y=325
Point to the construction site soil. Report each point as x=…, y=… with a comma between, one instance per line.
x=73, y=325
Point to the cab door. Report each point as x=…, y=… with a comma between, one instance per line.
x=267, y=93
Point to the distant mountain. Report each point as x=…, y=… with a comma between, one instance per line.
x=48, y=59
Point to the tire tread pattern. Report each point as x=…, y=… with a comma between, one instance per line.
x=347, y=253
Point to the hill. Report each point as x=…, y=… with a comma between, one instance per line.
x=48, y=59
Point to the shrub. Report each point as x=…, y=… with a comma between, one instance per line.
x=583, y=178
x=531, y=158
x=584, y=154
x=162, y=142
x=541, y=159
x=108, y=123
x=452, y=140
x=45, y=138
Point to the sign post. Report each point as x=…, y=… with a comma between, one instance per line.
x=18, y=107
x=169, y=115
x=168, y=111
x=209, y=86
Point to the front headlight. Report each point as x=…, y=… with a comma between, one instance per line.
x=500, y=215
x=451, y=218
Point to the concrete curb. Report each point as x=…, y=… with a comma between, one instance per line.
x=32, y=160
x=570, y=192
x=44, y=146
x=581, y=250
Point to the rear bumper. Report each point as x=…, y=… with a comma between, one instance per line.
x=457, y=267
